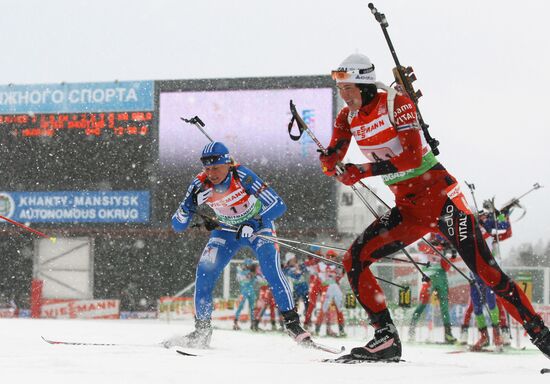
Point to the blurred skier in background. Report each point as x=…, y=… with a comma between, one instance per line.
x=247, y=279
x=437, y=272
x=299, y=277
x=331, y=296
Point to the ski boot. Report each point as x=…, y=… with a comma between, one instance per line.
x=317, y=329
x=386, y=346
x=497, y=339
x=448, y=336
x=330, y=332
x=539, y=334
x=199, y=338
x=236, y=325
x=255, y=325
x=483, y=340
x=294, y=329
x=273, y=325
x=341, y=331
x=505, y=333
x=463, y=335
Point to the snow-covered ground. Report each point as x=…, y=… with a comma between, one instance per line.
x=235, y=357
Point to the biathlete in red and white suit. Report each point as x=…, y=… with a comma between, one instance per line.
x=427, y=198
x=239, y=198
x=330, y=276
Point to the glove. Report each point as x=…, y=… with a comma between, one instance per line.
x=247, y=229
x=209, y=224
x=352, y=174
x=202, y=196
x=328, y=160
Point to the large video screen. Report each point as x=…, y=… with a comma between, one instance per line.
x=253, y=123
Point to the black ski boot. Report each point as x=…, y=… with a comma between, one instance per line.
x=540, y=335
x=199, y=338
x=386, y=346
x=294, y=329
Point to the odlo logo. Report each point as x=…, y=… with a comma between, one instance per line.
x=449, y=220
x=7, y=205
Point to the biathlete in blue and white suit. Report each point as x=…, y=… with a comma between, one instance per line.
x=242, y=201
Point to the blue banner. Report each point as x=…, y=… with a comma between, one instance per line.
x=122, y=96
x=76, y=207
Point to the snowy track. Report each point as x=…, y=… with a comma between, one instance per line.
x=235, y=357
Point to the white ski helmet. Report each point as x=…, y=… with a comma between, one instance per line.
x=356, y=68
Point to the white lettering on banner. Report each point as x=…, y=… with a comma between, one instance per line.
x=125, y=214
x=46, y=201
x=105, y=200
x=59, y=214
x=74, y=96
x=89, y=309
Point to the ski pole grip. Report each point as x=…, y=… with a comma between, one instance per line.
x=380, y=17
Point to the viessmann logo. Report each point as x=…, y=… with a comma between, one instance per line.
x=7, y=204
x=367, y=130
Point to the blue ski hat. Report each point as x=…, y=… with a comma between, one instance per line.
x=215, y=153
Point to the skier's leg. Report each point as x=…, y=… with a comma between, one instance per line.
x=383, y=237
x=459, y=226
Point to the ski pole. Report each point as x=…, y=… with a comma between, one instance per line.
x=535, y=187
x=276, y=240
x=197, y=122
x=51, y=238
x=472, y=188
x=335, y=248
x=405, y=77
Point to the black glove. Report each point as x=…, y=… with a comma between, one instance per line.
x=209, y=224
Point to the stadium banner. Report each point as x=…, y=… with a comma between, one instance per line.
x=76, y=207
x=77, y=97
x=80, y=309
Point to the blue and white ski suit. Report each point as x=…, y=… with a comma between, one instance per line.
x=242, y=198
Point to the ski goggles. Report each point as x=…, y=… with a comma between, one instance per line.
x=342, y=74
x=215, y=160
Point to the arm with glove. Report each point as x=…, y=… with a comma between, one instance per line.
x=196, y=195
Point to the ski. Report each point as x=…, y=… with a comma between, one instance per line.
x=544, y=370
x=62, y=342
x=321, y=347
x=183, y=353
x=489, y=350
x=350, y=359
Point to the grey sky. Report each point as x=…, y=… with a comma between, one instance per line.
x=482, y=65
